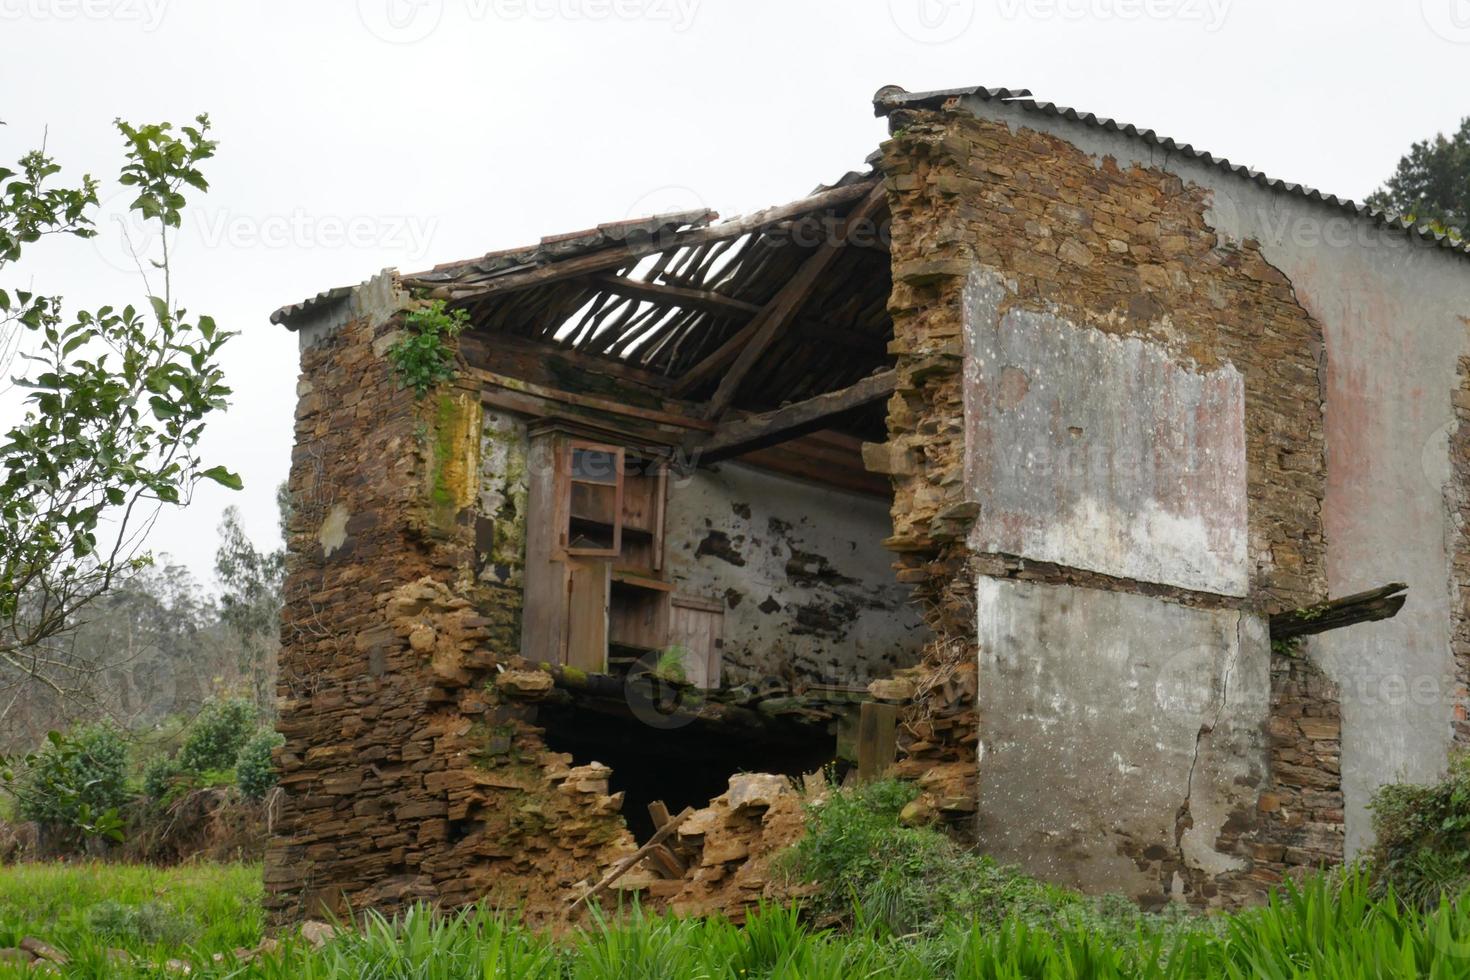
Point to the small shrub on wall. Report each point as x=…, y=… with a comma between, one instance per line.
x=1422, y=848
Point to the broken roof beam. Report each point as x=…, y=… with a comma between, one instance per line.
x=1361, y=607
x=768, y=429
x=789, y=300
x=611, y=258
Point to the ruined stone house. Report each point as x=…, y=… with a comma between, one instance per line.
x=1039, y=428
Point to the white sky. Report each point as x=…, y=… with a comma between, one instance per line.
x=428, y=130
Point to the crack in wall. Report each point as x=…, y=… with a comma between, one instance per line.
x=1183, y=820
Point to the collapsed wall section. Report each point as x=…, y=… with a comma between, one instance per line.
x=407, y=774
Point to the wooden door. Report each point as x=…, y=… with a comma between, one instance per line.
x=588, y=584
x=696, y=626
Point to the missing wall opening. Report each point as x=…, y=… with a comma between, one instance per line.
x=685, y=766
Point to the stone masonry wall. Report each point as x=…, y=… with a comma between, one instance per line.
x=1124, y=251
x=407, y=774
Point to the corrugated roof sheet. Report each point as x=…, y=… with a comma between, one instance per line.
x=312, y=304
x=892, y=97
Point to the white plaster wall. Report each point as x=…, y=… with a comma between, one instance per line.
x=1105, y=713
x=1102, y=452
x=1394, y=317
x=807, y=587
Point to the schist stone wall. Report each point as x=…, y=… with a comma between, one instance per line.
x=411, y=769
x=414, y=767
x=1111, y=426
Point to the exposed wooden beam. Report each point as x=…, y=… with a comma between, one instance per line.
x=627, y=863
x=1361, y=607
x=612, y=258
x=701, y=299
x=769, y=428
x=788, y=301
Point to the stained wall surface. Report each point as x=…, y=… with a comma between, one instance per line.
x=1132, y=755
x=1102, y=452
x=807, y=588
x=1394, y=315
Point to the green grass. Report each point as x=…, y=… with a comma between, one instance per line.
x=893, y=901
x=145, y=910
x=1331, y=928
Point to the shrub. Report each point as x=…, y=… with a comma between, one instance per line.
x=151, y=922
x=216, y=737
x=1422, y=848
x=254, y=771
x=421, y=358
x=918, y=879
x=160, y=774
x=76, y=783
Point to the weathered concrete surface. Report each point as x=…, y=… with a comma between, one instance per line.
x=1102, y=452
x=807, y=587
x=1394, y=324
x=1106, y=715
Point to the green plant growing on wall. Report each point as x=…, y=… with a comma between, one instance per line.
x=422, y=358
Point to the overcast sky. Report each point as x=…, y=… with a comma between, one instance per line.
x=361, y=134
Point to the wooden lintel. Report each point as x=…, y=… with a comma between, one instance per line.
x=612, y=258
x=788, y=302
x=1361, y=607
x=758, y=431
x=489, y=379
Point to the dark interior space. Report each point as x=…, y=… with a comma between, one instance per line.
x=685, y=766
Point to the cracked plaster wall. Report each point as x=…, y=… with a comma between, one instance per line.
x=1135, y=752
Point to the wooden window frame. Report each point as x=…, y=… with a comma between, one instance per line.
x=565, y=488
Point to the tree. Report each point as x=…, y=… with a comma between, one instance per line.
x=250, y=598
x=117, y=399
x=1432, y=182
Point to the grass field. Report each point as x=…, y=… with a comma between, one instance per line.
x=1330, y=929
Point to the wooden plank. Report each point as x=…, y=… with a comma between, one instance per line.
x=587, y=625
x=1361, y=607
x=877, y=739
x=544, y=613
x=797, y=459
x=696, y=626
x=612, y=258
x=701, y=299
x=659, y=811
x=666, y=863
x=740, y=436
x=716, y=361
x=788, y=302
x=623, y=866
x=687, y=421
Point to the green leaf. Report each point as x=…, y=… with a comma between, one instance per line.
x=224, y=477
